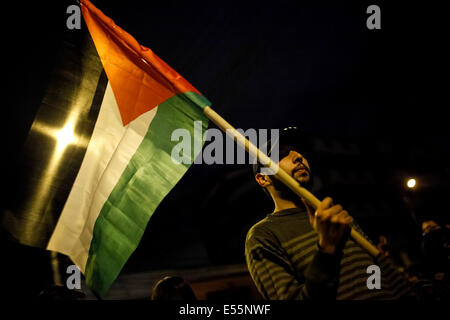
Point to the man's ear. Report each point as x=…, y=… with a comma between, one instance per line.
x=263, y=180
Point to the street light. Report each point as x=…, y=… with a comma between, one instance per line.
x=411, y=183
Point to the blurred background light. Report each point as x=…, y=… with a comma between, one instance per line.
x=411, y=183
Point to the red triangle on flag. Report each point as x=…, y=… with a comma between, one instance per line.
x=140, y=79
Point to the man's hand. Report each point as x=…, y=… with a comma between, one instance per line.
x=331, y=223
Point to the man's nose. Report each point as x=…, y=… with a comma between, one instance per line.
x=298, y=159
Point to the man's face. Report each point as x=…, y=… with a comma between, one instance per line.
x=296, y=166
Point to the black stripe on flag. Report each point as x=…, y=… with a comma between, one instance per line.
x=39, y=182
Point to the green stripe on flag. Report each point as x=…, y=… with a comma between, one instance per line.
x=147, y=179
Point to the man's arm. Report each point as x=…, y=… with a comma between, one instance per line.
x=277, y=279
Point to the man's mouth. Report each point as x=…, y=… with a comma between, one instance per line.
x=302, y=170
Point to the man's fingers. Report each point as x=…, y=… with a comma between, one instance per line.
x=328, y=213
x=342, y=218
x=325, y=204
x=349, y=220
x=335, y=214
x=324, y=215
x=334, y=210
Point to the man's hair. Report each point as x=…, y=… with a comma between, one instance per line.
x=172, y=288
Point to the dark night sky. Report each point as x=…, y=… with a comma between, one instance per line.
x=263, y=65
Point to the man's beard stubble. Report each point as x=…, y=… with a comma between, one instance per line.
x=287, y=193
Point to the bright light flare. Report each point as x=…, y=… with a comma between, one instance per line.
x=411, y=183
x=65, y=136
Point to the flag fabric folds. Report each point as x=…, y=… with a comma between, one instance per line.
x=127, y=169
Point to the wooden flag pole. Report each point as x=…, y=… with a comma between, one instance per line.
x=280, y=173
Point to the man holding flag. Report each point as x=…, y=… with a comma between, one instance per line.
x=296, y=253
x=127, y=168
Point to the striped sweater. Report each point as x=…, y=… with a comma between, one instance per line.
x=285, y=263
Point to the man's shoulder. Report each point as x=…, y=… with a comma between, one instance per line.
x=260, y=230
x=262, y=226
x=274, y=227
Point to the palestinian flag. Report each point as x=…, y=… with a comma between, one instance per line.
x=127, y=168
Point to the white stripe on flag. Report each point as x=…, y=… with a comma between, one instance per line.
x=110, y=149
